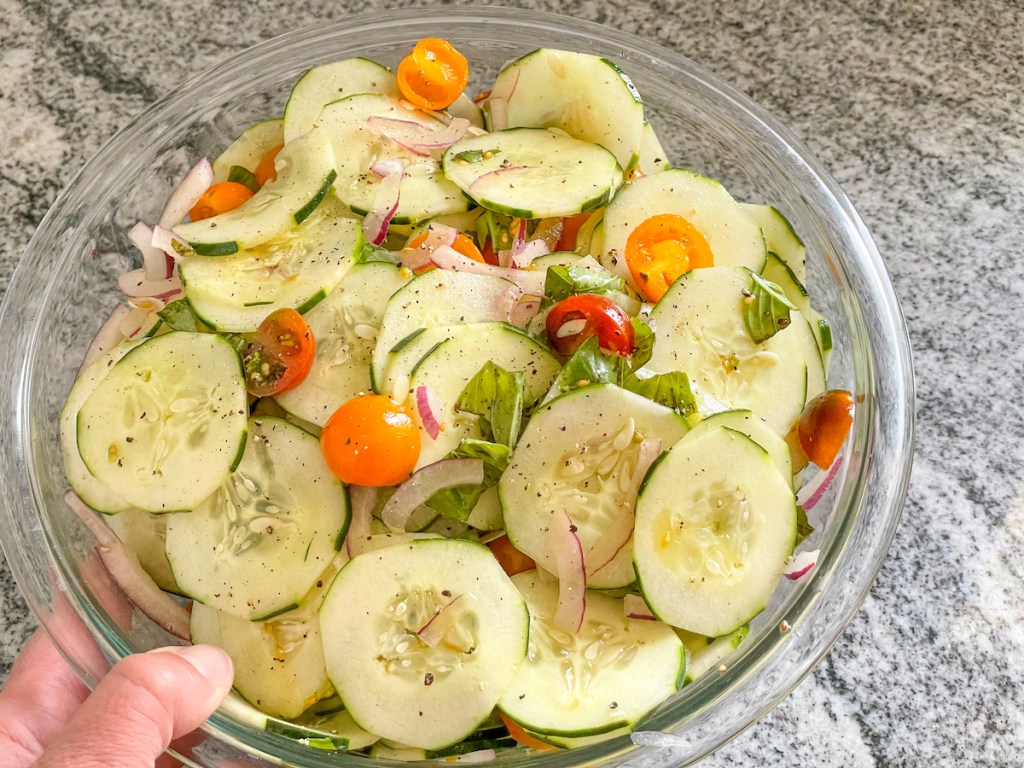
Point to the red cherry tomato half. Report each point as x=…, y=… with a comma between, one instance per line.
x=280, y=355
x=824, y=425
x=575, y=319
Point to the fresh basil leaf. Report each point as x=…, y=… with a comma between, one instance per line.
x=245, y=177
x=669, y=389
x=563, y=282
x=238, y=341
x=766, y=310
x=457, y=503
x=370, y=252
x=179, y=315
x=475, y=155
x=643, y=344
x=589, y=365
x=499, y=398
x=803, y=527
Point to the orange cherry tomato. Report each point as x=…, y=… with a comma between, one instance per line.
x=575, y=319
x=824, y=425
x=517, y=732
x=570, y=229
x=463, y=244
x=509, y=558
x=280, y=355
x=220, y=198
x=661, y=249
x=433, y=75
x=266, y=171
x=371, y=440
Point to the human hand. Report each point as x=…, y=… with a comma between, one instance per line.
x=48, y=715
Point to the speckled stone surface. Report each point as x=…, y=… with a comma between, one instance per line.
x=917, y=110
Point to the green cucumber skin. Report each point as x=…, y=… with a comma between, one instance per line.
x=215, y=249
x=305, y=211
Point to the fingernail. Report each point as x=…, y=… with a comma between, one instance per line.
x=211, y=662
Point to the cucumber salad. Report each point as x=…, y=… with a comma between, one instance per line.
x=461, y=424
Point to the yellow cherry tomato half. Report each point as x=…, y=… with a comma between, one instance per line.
x=220, y=198
x=661, y=249
x=266, y=170
x=371, y=440
x=433, y=74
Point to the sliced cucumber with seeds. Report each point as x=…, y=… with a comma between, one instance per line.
x=757, y=429
x=702, y=332
x=235, y=293
x=322, y=85
x=715, y=522
x=393, y=682
x=257, y=546
x=577, y=456
x=93, y=492
x=780, y=237
x=448, y=368
x=437, y=298
x=305, y=172
x=586, y=684
x=424, y=193
x=345, y=326
x=167, y=425
x=587, y=96
x=248, y=149
x=533, y=173
x=734, y=237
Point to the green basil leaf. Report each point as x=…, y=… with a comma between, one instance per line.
x=589, y=365
x=494, y=227
x=475, y=155
x=458, y=502
x=643, y=344
x=179, y=315
x=563, y=282
x=766, y=310
x=803, y=527
x=499, y=398
x=370, y=252
x=669, y=389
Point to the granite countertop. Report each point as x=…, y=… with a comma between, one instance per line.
x=916, y=109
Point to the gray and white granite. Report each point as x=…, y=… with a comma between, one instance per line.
x=917, y=110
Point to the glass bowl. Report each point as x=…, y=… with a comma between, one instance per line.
x=65, y=285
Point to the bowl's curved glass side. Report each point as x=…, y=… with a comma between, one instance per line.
x=704, y=124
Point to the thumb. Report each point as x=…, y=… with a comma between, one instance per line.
x=140, y=706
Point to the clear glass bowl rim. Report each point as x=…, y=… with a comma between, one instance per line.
x=743, y=694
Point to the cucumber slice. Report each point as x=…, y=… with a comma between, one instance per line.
x=448, y=368
x=235, y=293
x=305, y=172
x=167, y=424
x=145, y=535
x=756, y=429
x=707, y=653
x=256, y=547
x=437, y=298
x=249, y=148
x=780, y=237
x=393, y=683
x=586, y=684
x=330, y=82
x=486, y=515
x=586, y=96
x=92, y=491
x=701, y=331
x=715, y=522
x=533, y=173
x=345, y=326
x=424, y=191
x=465, y=108
x=577, y=454
x=779, y=272
x=735, y=239
x=652, y=155
x=330, y=732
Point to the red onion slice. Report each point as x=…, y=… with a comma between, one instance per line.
x=417, y=137
x=187, y=194
x=427, y=481
x=107, y=337
x=479, y=756
x=620, y=532
x=815, y=488
x=437, y=235
x=427, y=407
x=154, y=260
x=635, y=607
x=384, y=168
x=385, y=204
x=518, y=228
x=434, y=631
x=135, y=285
x=124, y=568
x=800, y=564
x=164, y=239
x=137, y=319
x=361, y=501
x=529, y=252
x=529, y=281
x=572, y=578
x=525, y=310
